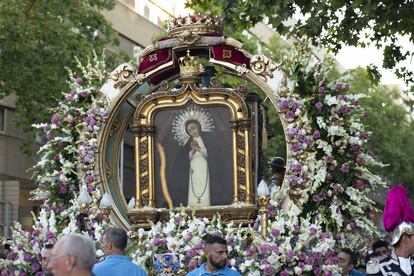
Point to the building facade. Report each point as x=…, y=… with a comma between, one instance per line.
x=137, y=23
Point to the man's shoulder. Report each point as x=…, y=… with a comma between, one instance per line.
x=195, y=272
x=229, y=271
x=107, y=266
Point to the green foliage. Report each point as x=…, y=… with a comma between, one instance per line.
x=38, y=39
x=392, y=129
x=330, y=23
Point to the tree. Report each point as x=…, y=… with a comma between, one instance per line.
x=330, y=23
x=38, y=39
x=391, y=129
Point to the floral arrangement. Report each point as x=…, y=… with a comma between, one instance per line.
x=322, y=205
x=65, y=167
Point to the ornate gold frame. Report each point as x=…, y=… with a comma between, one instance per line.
x=128, y=87
x=243, y=194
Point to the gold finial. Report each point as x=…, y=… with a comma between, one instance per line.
x=190, y=66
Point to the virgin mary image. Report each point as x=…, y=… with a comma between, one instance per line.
x=189, y=127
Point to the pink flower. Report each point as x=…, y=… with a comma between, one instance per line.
x=359, y=184
x=316, y=134
x=345, y=168
x=318, y=105
x=78, y=80
x=316, y=198
x=321, y=90
x=250, y=251
x=360, y=160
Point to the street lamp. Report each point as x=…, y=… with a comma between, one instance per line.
x=263, y=193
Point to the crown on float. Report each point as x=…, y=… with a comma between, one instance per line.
x=190, y=66
x=197, y=24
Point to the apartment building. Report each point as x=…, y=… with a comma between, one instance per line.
x=137, y=22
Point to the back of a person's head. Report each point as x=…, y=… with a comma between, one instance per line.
x=83, y=248
x=353, y=259
x=379, y=244
x=211, y=239
x=118, y=237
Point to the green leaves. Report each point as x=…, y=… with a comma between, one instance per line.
x=330, y=23
x=37, y=40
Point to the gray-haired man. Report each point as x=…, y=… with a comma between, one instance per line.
x=73, y=254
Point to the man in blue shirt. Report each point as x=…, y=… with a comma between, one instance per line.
x=116, y=263
x=216, y=253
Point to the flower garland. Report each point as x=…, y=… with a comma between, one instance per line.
x=322, y=206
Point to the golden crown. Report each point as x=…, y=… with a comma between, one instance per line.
x=190, y=66
x=197, y=24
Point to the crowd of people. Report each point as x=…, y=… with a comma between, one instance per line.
x=74, y=254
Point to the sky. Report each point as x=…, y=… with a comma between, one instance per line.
x=352, y=57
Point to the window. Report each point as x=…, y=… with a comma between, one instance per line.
x=146, y=12
x=2, y=118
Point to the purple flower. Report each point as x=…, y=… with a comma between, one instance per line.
x=35, y=233
x=78, y=80
x=177, y=219
x=275, y=232
x=316, y=134
x=250, y=251
x=341, y=97
x=264, y=262
x=46, y=128
x=360, y=160
x=359, y=183
x=364, y=135
x=290, y=254
x=344, y=109
x=325, y=235
x=268, y=270
x=297, y=167
x=321, y=90
x=90, y=188
x=295, y=106
x=263, y=249
x=198, y=246
x=290, y=114
x=27, y=257
x=317, y=270
x=337, y=86
x=84, y=93
x=192, y=265
x=49, y=235
x=275, y=249
x=318, y=105
x=89, y=178
x=345, y=168
x=35, y=267
x=346, y=87
x=191, y=253
x=292, y=132
x=354, y=102
x=313, y=230
x=293, y=180
x=63, y=189
x=296, y=147
x=316, y=198
x=282, y=105
x=55, y=120
x=90, y=121
x=365, y=114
